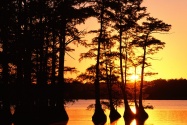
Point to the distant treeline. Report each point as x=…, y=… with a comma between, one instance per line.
x=173, y=89
x=160, y=89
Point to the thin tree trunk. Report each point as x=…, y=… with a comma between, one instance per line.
x=5, y=75
x=60, y=86
x=114, y=115
x=142, y=79
x=141, y=113
x=54, y=61
x=127, y=113
x=99, y=115
x=135, y=98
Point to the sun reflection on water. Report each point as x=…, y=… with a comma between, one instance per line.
x=133, y=109
x=165, y=113
x=133, y=122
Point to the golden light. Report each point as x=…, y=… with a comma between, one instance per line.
x=133, y=109
x=134, y=77
x=133, y=122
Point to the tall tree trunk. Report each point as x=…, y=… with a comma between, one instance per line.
x=135, y=98
x=142, y=79
x=99, y=115
x=127, y=113
x=27, y=58
x=6, y=92
x=141, y=114
x=114, y=115
x=54, y=61
x=61, y=84
x=5, y=75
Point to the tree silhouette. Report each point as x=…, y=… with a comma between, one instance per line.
x=68, y=33
x=150, y=45
x=34, y=38
x=5, y=41
x=128, y=13
x=103, y=13
x=110, y=75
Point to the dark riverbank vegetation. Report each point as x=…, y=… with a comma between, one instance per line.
x=160, y=89
x=36, y=37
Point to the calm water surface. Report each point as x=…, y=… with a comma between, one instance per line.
x=165, y=112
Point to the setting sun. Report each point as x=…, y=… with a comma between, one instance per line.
x=134, y=77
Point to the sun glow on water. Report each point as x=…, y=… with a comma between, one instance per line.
x=133, y=122
x=133, y=109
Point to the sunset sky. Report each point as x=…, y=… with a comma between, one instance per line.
x=172, y=60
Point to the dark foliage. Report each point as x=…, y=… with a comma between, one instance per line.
x=173, y=89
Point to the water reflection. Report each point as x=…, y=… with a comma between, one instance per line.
x=114, y=122
x=122, y=121
x=134, y=122
x=129, y=122
x=157, y=117
x=167, y=117
x=165, y=113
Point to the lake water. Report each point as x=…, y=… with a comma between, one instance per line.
x=165, y=112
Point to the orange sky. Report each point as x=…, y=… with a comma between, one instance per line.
x=172, y=61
